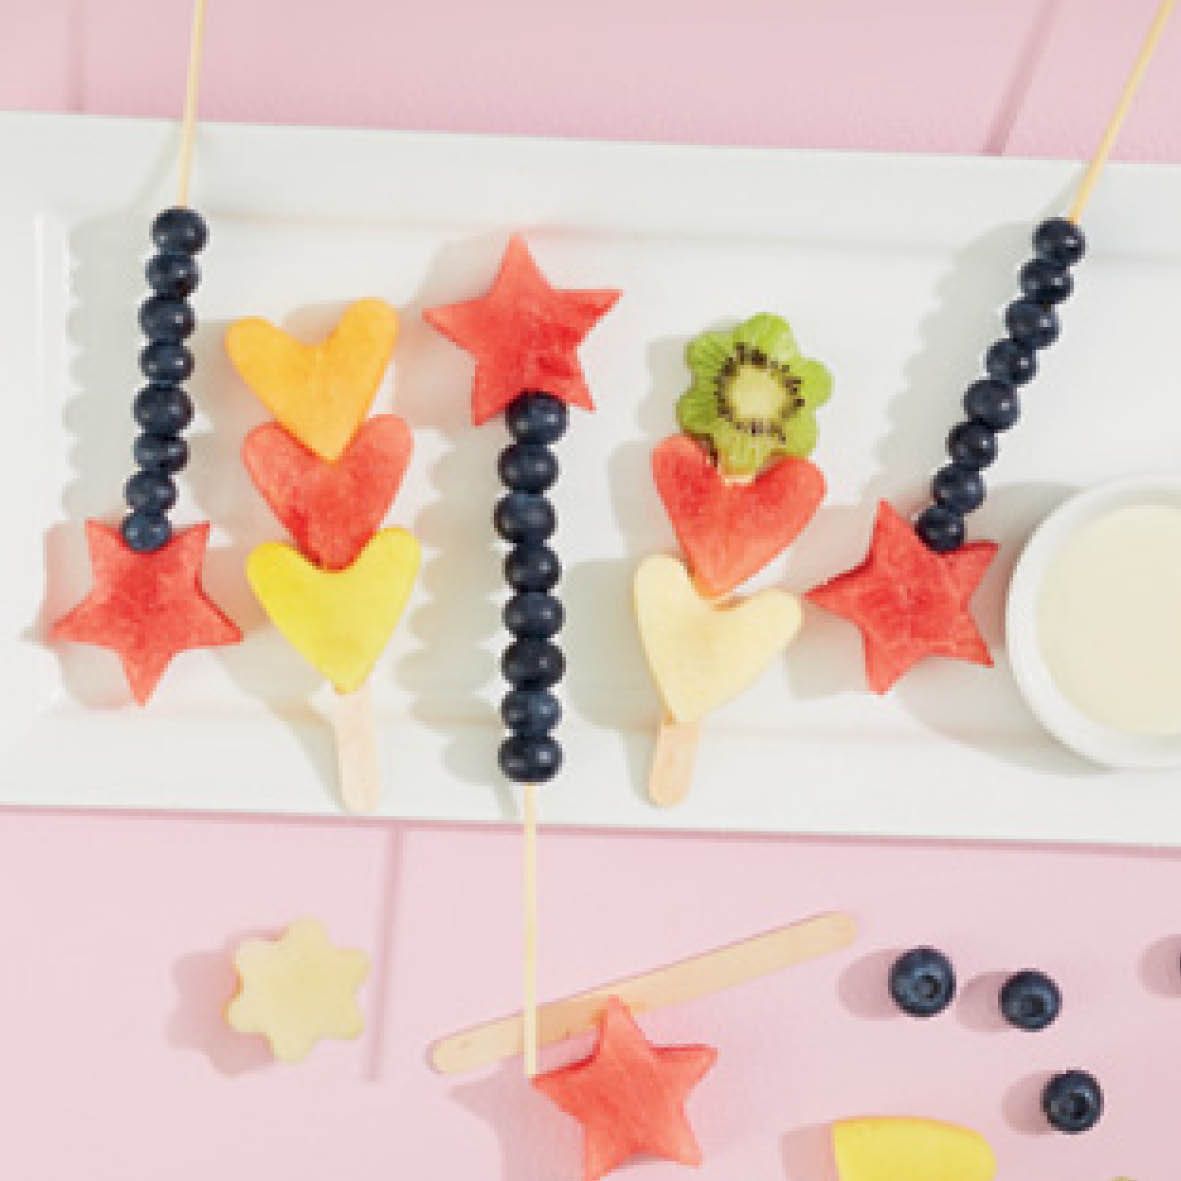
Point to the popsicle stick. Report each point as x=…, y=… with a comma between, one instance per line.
x=1111, y=133
x=356, y=750
x=188, y=129
x=686, y=980
x=673, y=761
x=529, y=964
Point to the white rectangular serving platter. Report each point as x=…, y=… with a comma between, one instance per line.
x=892, y=270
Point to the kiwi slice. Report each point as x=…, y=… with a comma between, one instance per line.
x=753, y=395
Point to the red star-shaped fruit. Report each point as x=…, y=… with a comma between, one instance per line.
x=146, y=607
x=629, y=1095
x=524, y=335
x=909, y=601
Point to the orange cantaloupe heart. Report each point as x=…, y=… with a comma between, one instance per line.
x=320, y=393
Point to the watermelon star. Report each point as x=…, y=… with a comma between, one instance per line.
x=629, y=1095
x=524, y=334
x=146, y=607
x=909, y=601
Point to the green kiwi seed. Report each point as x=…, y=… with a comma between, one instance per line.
x=753, y=396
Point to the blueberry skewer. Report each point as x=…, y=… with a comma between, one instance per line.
x=911, y=595
x=524, y=335
x=147, y=603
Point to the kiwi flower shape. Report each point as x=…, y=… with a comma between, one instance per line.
x=753, y=395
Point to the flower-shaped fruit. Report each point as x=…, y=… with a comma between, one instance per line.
x=753, y=395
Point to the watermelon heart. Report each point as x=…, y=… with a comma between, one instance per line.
x=330, y=509
x=729, y=531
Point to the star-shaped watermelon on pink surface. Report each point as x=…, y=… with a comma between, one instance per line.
x=629, y=1095
x=146, y=607
x=909, y=601
x=524, y=335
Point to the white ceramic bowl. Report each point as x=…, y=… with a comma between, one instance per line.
x=1065, y=721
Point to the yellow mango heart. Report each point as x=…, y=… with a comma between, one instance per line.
x=703, y=653
x=337, y=620
x=883, y=1149
x=320, y=393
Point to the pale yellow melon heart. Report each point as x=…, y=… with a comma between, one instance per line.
x=703, y=653
x=882, y=1149
x=320, y=393
x=337, y=620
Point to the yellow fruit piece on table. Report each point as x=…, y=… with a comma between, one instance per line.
x=337, y=620
x=297, y=989
x=320, y=393
x=702, y=653
x=883, y=1149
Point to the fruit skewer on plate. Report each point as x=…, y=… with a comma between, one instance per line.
x=147, y=603
x=330, y=473
x=738, y=488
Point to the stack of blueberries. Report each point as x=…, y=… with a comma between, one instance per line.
x=162, y=408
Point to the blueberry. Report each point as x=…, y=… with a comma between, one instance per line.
x=180, y=229
x=528, y=467
x=1073, y=1102
x=960, y=489
x=940, y=528
x=536, y=418
x=163, y=409
x=530, y=712
x=1059, y=241
x=972, y=444
x=922, y=982
x=151, y=492
x=163, y=318
x=532, y=664
x=532, y=568
x=1045, y=282
x=161, y=453
x=534, y=615
x=1031, y=324
x=146, y=532
x=1009, y=361
x=530, y=760
x=524, y=517
x=166, y=363
x=994, y=403
x=1030, y=1000
x=172, y=274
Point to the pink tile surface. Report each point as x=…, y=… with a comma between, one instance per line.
x=115, y=1064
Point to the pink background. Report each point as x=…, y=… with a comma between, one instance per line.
x=114, y=1063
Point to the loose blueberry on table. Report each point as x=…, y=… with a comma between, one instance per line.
x=922, y=982
x=1030, y=1000
x=1073, y=1101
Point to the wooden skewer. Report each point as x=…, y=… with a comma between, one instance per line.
x=686, y=980
x=356, y=750
x=1139, y=68
x=192, y=88
x=529, y=959
x=671, y=774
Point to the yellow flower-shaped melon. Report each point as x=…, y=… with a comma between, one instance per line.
x=297, y=989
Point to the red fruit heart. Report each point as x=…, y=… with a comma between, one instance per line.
x=729, y=531
x=330, y=509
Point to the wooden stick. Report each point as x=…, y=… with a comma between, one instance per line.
x=529, y=961
x=1115, y=123
x=192, y=87
x=356, y=750
x=673, y=760
x=675, y=984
